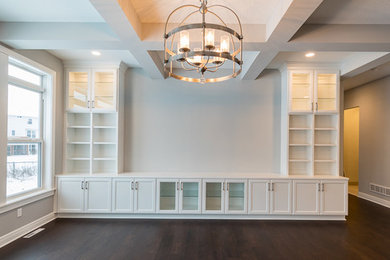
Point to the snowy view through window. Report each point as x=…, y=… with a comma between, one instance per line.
x=23, y=152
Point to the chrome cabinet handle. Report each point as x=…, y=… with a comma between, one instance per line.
x=312, y=106
x=181, y=186
x=93, y=103
x=269, y=186
x=136, y=185
x=177, y=185
x=317, y=106
x=227, y=186
x=323, y=187
x=132, y=185
x=319, y=186
x=273, y=186
x=86, y=185
x=223, y=186
x=82, y=185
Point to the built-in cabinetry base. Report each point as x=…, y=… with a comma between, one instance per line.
x=251, y=197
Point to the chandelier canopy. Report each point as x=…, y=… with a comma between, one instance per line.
x=191, y=51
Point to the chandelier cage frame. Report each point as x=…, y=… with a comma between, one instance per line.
x=186, y=56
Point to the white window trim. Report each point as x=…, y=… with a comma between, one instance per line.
x=48, y=129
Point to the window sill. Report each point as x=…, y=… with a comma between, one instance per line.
x=26, y=199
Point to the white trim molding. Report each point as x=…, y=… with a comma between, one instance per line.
x=12, y=236
x=374, y=199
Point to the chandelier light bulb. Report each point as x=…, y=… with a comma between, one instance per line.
x=225, y=44
x=209, y=39
x=197, y=60
x=184, y=41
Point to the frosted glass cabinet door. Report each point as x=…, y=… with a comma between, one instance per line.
x=104, y=90
x=301, y=91
x=236, y=197
x=167, y=196
x=326, y=92
x=145, y=195
x=78, y=90
x=190, y=197
x=213, y=196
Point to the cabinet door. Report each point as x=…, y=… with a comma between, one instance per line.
x=167, y=195
x=306, y=197
x=70, y=195
x=326, y=91
x=301, y=91
x=281, y=197
x=258, y=197
x=236, y=197
x=213, y=196
x=334, y=198
x=78, y=90
x=190, y=196
x=145, y=195
x=104, y=90
x=122, y=196
x=98, y=195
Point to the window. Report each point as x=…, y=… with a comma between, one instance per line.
x=24, y=151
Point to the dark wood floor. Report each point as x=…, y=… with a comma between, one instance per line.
x=365, y=235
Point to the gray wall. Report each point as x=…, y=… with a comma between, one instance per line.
x=174, y=126
x=31, y=212
x=38, y=209
x=374, y=149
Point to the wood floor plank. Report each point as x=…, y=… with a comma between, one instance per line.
x=365, y=235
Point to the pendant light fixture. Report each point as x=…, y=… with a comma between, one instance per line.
x=195, y=51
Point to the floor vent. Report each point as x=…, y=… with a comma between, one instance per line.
x=36, y=231
x=380, y=189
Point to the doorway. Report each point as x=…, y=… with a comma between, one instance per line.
x=351, y=148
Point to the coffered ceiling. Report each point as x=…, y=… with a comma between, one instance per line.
x=354, y=34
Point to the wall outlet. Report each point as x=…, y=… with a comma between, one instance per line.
x=19, y=212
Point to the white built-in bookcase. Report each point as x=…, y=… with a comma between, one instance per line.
x=92, y=120
x=310, y=122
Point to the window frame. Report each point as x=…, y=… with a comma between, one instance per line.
x=20, y=83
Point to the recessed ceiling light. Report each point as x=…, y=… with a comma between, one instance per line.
x=96, y=53
x=310, y=54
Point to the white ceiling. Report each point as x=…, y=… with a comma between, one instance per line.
x=336, y=58
x=352, y=12
x=48, y=11
x=249, y=11
x=106, y=56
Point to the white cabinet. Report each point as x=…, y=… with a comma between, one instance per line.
x=91, y=89
x=325, y=197
x=78, y=195
x=133, y=195
x=334, y=197
x=306, y=197
x=144, y=195
x=97, y=195
x=178, y=196
x=313, y=91
x=224, y=196
x=70, y=195
x=280, y=202
x=123, y=195
x=258, y=202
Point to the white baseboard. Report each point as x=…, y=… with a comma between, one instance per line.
x=210, y=216
x=12, y=236
x=374, y=199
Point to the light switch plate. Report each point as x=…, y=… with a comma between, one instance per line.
x=19, y=212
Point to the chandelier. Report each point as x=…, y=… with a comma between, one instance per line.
x=191, y=51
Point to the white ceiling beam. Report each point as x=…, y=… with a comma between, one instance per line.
x=362, y=62
x=290, y=16
x=122, y=19
x=45, y=35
